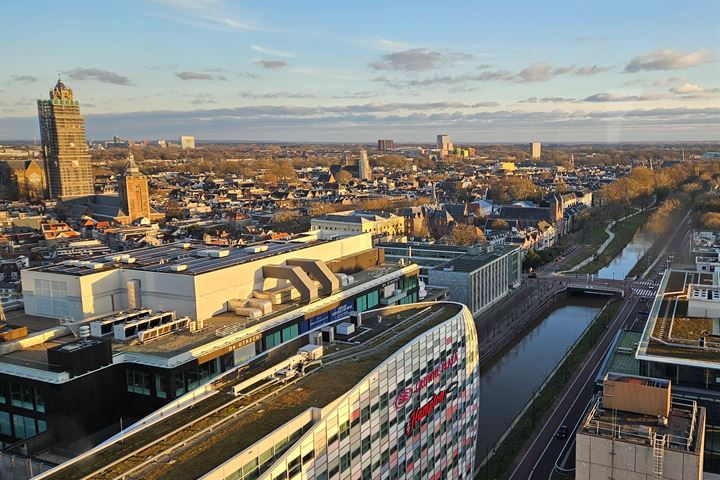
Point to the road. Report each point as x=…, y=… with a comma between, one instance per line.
x=538, y=460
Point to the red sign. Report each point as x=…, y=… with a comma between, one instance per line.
x=405, y=395
x=417, y=416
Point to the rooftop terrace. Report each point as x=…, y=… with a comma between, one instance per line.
x=677, y=331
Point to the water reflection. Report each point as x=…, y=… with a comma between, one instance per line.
x=507, y=385
x=621, y=265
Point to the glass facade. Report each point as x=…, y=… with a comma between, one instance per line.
x=414, y=416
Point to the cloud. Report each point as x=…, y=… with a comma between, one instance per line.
x=360, y=94
x=385, y=45
x=355, y=122
x=590, y=70
x=23, y=78
x=271, y=51
x=447, y=80
x=670, y=81
x=636, y=81
x=103, y=76
x=203, y=99
x=270, y=64
x=548, y=100
x=255, y=96
x=621, y=97
x=189, y=75
x=690, y=90
x=213, y=15
x=667, y=60
x=248, y=75
x=418, y=59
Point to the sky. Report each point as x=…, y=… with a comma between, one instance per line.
x=514, y=71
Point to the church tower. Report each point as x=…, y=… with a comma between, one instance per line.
x=134, y=192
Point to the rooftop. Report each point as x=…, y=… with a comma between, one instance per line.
x=470, y=262
x=181, y=258
x=168, y=346
x=683, y=325
x=256, y=418
x=680, y=431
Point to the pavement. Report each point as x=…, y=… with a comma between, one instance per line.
x=538, y=459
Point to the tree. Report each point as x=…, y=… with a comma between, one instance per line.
x=710, y=221
x=499, y=224
x=466, y=235
x=343, y=177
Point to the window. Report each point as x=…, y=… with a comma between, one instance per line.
x=3, y=395
x=5, y=428
x=138, y=382
x=160, y=390
x=24, y=426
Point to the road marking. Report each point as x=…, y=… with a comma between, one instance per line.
x=567, y=391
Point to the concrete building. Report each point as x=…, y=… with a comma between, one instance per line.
x=681, y=343
x=386, y=145
x=364, y=170
x=443, y=143
x=158, y=330
x=187, y=142
x=352, y=222
x=65, y=153
x=479, y=279
x=637, y=431
x=535, y=150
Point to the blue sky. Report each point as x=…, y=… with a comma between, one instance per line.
x=342, y=71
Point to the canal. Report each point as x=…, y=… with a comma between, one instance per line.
x=507, y=385
x=621, y=265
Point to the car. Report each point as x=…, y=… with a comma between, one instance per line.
x=562, y=432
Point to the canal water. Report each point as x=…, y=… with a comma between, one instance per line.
x=621, y=265
x=507, y=385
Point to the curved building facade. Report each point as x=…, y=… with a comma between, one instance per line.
x=414, y=415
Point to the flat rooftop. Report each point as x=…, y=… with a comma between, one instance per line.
x=179, y=342
x=254, y=420
x=672, y=335
x=470, y=262
x=681, y=429
x=167, y=258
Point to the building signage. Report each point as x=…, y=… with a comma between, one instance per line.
x=233, y=346
x=405, y=395
x=336, y=313
x=418, y=415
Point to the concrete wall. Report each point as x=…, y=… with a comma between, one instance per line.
x=601, y=457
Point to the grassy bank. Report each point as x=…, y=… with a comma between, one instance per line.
x=624, y=232
x=520, y=434
x=588, y=243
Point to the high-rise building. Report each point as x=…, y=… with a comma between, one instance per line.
x=444, y=143
x=133, y=190
x=386, y=145
x=364, y=171
x=62, y=131
x=187, y=142
x=535, y=150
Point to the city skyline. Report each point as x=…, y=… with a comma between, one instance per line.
x=322, y=72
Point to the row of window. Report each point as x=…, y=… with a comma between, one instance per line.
x=141, y=382
x=23, y=427
x=22, y=396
